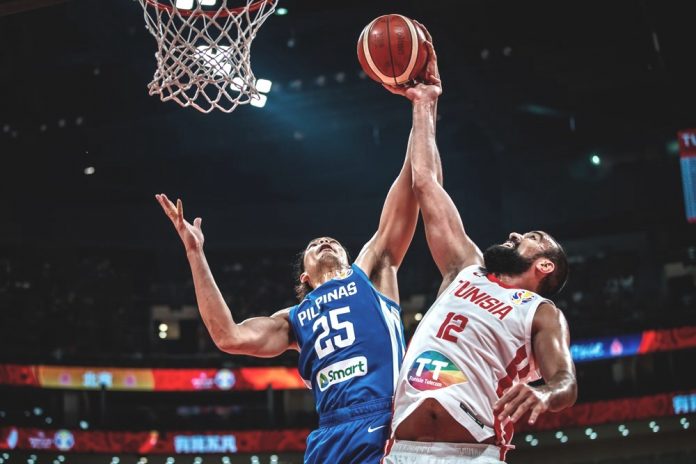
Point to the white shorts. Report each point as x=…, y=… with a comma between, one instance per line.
x=417, y=452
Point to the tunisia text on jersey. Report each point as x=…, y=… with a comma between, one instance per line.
x=351, y=341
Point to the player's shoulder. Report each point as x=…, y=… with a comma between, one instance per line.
x=284, y=313
x=548, y=315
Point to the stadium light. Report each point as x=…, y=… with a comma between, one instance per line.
x=259, y=102
x=264, y=85
x=282, y=11
x=184, y=4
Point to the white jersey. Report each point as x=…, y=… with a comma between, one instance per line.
x=471, y=346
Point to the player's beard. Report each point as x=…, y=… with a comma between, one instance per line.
x=504, y=260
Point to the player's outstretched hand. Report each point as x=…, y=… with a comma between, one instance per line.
x=428, y=86
x=431, y=73
x=519, y=400
x=190, y=234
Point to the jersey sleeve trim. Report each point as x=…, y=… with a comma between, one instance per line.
x=295, y=330
x=364, y=276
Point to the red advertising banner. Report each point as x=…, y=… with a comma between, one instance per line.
x=603, y=412
x=78, y=441
x=269, y=441
x=142, y=379
x=285, y=378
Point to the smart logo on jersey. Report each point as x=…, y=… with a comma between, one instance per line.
x=432, y=370
x=341, y=371
x=522, y=296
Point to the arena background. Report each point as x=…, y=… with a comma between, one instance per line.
x=562, y=116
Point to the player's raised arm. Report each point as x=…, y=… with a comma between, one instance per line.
x=451, y=247
x=382, y=255
x=258, y=336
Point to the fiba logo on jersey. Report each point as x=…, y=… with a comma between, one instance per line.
x=64, y=440
x=433, y=370
x=522, y=296
x=225, y=379
x=343, y=274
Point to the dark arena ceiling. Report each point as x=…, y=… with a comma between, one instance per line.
x=532, y=91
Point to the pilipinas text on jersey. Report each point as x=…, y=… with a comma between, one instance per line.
x=351, y=341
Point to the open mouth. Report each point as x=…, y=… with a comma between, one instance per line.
x=325, y=247
x=509, y=244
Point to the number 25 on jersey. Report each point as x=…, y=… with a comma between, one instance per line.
x=325, y=344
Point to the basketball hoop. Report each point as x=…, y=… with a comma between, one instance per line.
x=204, y=50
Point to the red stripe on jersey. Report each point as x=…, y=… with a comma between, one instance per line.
x=504, y=434
x=524, y=372
x=495, y=280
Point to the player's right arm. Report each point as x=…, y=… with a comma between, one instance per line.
x=450, y=246
x=257, y=336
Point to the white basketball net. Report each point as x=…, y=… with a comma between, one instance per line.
x=203, y=54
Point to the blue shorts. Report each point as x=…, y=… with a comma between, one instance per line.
x=351, y=435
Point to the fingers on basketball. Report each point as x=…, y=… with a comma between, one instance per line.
x=428, y=37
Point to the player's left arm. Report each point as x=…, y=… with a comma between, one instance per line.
x=382, y=255
x=550, y=342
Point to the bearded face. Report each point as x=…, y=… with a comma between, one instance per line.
x=504, y=259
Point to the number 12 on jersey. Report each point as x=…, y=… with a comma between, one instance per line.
x=453, y=323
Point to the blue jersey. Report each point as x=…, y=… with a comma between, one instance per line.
x=351, y=341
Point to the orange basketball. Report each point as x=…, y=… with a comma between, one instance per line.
x=391, y=49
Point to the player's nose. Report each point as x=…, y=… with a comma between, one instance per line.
x=514, y=237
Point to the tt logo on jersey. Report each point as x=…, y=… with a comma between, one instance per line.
x=342, y=371
x=522, y=296
x=433, y=370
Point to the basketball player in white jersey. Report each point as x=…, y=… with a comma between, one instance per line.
x=464, y=380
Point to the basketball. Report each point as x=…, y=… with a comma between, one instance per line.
x=391, y=49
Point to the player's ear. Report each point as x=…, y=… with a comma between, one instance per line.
x=304, y=278
x=544, y=266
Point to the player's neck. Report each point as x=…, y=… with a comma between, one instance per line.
x=325, y=276
x=523, y=281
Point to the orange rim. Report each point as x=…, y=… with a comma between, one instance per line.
x=222, y=12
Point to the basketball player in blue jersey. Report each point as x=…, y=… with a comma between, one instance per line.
x=347, y=326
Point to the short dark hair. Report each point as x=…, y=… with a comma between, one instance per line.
x=303, y=288
x=553, y=283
